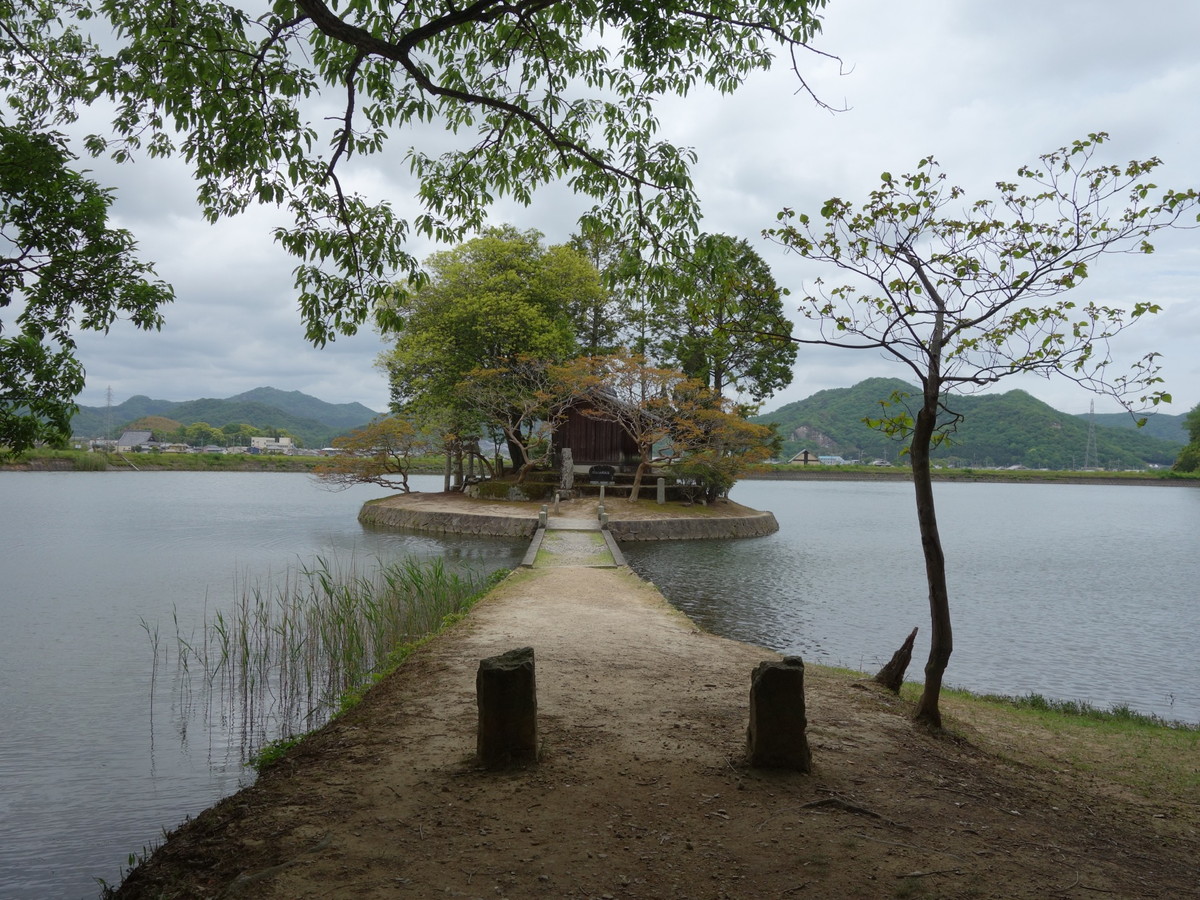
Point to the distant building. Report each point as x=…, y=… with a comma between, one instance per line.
x=806, y=458
x=134, y=440
x=282, y=445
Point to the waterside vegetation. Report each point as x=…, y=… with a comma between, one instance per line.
x=296, y=651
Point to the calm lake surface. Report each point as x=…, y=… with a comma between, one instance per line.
x=90, y=768
x=1076, y=592
x=1072, y=591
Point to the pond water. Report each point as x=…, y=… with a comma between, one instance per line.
x=1077, y=592
x=93, y=765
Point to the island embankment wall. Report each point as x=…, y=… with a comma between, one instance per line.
x=442, y=514
x=447, y=522
x=690, y=529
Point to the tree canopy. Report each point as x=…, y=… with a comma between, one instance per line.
x=965, y=294
x=284, y=104
x=1189, y=457
x=382, y=453
x=722, y=322
x=487, y=303
x=498, y=98
x=62, y=266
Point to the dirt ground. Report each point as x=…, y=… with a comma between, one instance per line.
x=642, y=791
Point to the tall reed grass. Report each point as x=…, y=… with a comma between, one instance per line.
x=280, y=662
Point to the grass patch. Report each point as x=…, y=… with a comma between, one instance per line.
x=1153, y=757
x=59, y=460
x=1077, y=709
x=272, y=752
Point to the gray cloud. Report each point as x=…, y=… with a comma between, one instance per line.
x=984, y=87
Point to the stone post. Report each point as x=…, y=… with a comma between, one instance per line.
x=506, y=692
x=776, y=737
x=566, y=483
x=662, y=491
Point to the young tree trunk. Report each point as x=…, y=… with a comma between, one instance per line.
x=643, y=465
x=485, y=464
x=516, y=451
x=941, y=637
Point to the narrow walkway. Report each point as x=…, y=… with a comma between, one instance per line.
x=573, y=542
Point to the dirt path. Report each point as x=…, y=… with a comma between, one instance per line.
x=641, y=790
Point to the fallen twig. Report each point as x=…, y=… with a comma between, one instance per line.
x=931, y=872
x=839, y=803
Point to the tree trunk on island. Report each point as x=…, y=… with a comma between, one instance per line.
x=643, y=465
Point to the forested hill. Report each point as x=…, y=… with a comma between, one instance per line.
x=313, y=422
x=1006, y=429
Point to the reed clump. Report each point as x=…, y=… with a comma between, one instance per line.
x=283, y=660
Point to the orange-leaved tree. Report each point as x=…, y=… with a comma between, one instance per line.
x=382, y=453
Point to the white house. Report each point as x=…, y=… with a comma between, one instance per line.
x=283, y=445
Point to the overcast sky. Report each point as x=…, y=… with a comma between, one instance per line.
x=984, y=87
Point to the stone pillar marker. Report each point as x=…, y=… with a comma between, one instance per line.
x=662, y=491
x=566, y=483
x=506, y=693
x=776, y=737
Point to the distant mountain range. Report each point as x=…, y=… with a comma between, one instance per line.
x=314, y=422
x=998, y=430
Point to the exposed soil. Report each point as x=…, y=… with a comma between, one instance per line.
x=642, y=791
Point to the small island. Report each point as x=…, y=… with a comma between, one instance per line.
x=645, y=520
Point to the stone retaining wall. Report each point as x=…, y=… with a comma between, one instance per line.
x=665, y=529
x=756, y=525
x=447, y=522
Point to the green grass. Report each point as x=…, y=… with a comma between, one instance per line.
x=1152, y=756
x=293, y=652
x=221, y=462
x=76, y=460
x=1078, y=709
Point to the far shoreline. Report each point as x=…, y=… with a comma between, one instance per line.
x=69, y=461
x=991, y=476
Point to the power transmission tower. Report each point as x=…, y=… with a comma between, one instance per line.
x=108, y=426
x=1090, y=454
